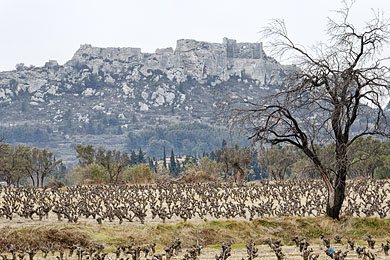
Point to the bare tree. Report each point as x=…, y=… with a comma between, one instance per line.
x=332, y=95
x=41, y=164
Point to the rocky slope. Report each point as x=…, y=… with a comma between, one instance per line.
x=102, y=91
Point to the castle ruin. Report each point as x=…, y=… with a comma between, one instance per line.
x=243, y=50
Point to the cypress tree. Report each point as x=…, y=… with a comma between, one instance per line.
x=141, y=156
x=224, y=143
x=172, y=167
x=133, y=158
x=212, y=155
x=165, y=159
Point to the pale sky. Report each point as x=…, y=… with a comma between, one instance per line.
x=35, y=31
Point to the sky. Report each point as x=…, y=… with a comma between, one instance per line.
x=35, y=31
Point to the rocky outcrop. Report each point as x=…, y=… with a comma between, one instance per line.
x=144, y=81
x=102, y=89
x=191, y=58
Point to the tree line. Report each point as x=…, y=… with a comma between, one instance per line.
x=98, y=165
x=21, y=164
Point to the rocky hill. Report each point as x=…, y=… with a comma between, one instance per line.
x=101, y=94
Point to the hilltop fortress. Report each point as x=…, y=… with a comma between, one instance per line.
x=229, y=48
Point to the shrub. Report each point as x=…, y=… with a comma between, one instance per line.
x=206, y=170
x=90, y=174
x=140, y=173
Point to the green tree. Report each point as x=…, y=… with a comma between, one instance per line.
x=21, y=155
x=133, y=158
x=85, y=154
x=172, y=165
x=13, y=163
x=141, y=156
x=8, y=163
x=224, y=143
x=164, y=159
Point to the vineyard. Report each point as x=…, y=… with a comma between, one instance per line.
x=262, y=220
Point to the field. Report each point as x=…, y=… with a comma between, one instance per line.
x=107, y=217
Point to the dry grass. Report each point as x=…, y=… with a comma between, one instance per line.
x=211, y=233
x=36, y=236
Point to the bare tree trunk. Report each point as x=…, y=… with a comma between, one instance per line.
x=33, y=180
x=117, y=174
x=336, y=199
x=42, y=178
x=8, y=179
x=336, y=195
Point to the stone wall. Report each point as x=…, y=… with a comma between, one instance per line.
x=229, y=48
x=244, y=50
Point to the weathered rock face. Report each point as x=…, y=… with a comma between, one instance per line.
x=123, y=83
x=165, y=77
x=191, y=58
